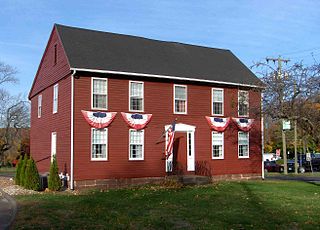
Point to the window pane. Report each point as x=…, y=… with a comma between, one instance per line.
x=136, y=143
x=243, y=104
x=136, y=103
x=180, y=106
x=100, y=101
x=180, y=92
x=100, y=86
x=217, y=108
x=99, y=143
x=136, y=89
x=217, y=95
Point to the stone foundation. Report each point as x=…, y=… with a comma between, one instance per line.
x=130, y=182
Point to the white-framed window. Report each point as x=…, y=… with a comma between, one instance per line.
x=243, y=144
x=243, y=103
x=136, y=144
x=55, y=98
x=99, y=93
x=217, y=145
x=180, y=99
x=99, y=144
x=53, y=144
x=136, y=95
x=217, y=101
x=39, y=105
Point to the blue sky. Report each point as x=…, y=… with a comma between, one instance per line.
x=251, y=29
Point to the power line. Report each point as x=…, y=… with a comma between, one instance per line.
x=301, y=51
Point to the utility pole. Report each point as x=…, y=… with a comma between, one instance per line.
x=295, y=136
x=279, y=60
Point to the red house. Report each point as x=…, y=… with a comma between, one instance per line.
x=106, y=104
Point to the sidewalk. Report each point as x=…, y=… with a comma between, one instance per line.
x=8, y=210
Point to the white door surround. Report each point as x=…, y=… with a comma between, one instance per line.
x=189, y=129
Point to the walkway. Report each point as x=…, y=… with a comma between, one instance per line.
x=8, y=210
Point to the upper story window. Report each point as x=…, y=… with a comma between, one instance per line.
x=55, y=57
x=99, y=141
x=180, y=99
x=243, y=144
x=136, y=95
x=136, y=144
x=217, y=101
x=217, y=145
x=99, y=93
x=39, y=105
x=55, y=98
x=243, y=103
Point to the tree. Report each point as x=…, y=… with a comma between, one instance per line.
x=18, y=171
x=295, y=95
x=32, y=179
x=22, y=177
x=14, y=112
x=54, y=182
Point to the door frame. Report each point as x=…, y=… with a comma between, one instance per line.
x=189, y=130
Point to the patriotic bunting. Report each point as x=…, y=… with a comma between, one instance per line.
x=243, y=124
x=136, y=121
x=217, y=123
x=98, y=120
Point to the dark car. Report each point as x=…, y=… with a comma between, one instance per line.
x=290, y=164
x=272, y=166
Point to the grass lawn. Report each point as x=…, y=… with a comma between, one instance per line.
x=226, y=205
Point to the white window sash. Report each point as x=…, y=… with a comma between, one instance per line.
x=39, y=105
x=131, y=96
x=53, y=144
x=175, y=98
x=244, y=102
x=103, y=141
x=243, y=142
x=99, y=93
x=141, y=143
x=55, y=98
x=217, y=101
x=220, y=141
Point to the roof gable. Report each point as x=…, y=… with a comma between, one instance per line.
x=96, y=50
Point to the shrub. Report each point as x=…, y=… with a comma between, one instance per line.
x=23, y=170
x=54, y=182
x=18, y=171
x=32, y=179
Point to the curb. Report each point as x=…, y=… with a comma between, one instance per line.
x=13, y=205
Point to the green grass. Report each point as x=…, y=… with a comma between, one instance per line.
x=226, y=205
x=6, y=170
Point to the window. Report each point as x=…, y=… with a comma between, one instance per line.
x=180, y=99
x=217, y=145
x=217, y=101
x=136, y=96
x=243, y=103
x=99, y=93
x=55, y=98
x=53, y=144
x=55, y=55
x=136, y=144
x=99, y=139
x=39, y=105
x=243, y=145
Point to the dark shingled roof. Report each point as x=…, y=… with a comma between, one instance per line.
x=89, y=49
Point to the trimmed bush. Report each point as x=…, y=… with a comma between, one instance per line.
x=23, y=171
x=54, y=182
x=18, y=171
x=32, y=179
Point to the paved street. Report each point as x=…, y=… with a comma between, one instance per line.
x=300, y=177
x=8, y=210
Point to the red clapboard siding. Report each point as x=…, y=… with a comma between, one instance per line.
x=40, y=133
x=158, y=100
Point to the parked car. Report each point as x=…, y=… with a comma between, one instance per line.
x=313, y=165
x=290, y=164
x=272, y=166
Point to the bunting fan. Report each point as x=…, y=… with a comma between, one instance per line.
x=217, y=123
x=243, y=124
x=98, y=120
x=136, y=121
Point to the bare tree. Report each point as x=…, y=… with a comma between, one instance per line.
x=7, y=74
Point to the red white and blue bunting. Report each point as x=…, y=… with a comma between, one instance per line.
x=98, y=120
x=136, y=120
x=218, y=124
x=243, y=124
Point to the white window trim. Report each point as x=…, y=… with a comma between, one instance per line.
x=55, y=95
x=39, y=106
x=174, y=99
x=242, y=157
x=99, y=78
x=217, y=114
x=53, y=145
x=246, y=115
x=142, y=157
x=220, y=157
x=99, y=159
x=140, y=82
